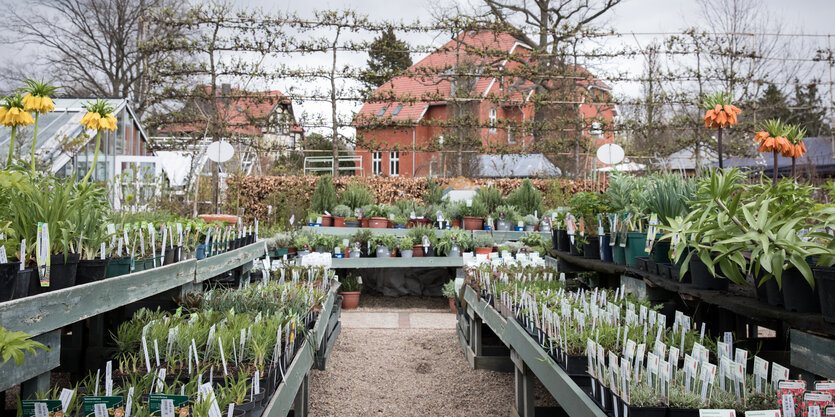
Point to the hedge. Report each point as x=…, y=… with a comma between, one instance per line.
x=251, y=195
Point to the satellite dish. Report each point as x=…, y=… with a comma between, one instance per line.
x=610, y=154
x=220, y=151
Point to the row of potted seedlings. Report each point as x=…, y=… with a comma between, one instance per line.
x=228, y=351
x=105, y=250
x=489, y=209
x=419, y=241
x=632, y=361
x=721, y=229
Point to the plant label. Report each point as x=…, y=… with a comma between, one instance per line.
x=760, y=372
x=129, y=403
x=814, y=411
x=108, y=378
x=65, y=398
x=778, y=373
x=717, y=413
x=156, y=352
x=231, y=410
x=92, y=404
x=763, y=413
x=145, y=351
x=788, y=405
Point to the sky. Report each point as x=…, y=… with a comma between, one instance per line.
x=640, y=16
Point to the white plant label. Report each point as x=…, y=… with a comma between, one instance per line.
x=166, y=408
x=763, y=413
x=100, y=410
x=788, y=405
x=129, y=402
x=66, y=397
x=778, y=373
x=108, y=378
x=42, y=411
x=717, y=413
x=231, y=410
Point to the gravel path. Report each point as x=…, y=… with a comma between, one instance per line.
x=405, y=372
x=406, y=303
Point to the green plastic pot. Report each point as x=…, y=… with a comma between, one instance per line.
x=138, y=265
x=118, y=267
x=635, y=244
x=660, y=251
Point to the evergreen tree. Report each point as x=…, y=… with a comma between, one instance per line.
x=388, y=57
x=809, y=111
x=773, y=105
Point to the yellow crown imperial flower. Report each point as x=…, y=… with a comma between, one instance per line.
x=37, y=96
x=99, y=116
x=13, y=113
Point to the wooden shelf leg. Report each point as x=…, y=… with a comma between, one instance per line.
x=300, y=407
x=29, y=388
x=475, y=336
x=524, y=386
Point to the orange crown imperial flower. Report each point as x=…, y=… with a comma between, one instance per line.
x=12, y=112
x=719, y=111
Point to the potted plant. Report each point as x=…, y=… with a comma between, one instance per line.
x=340, y=212
x=400, y=222
x=323, y=199
x=339, y=250
x=350, y=290
x=351, y=221
x=527, y=199
x=417, y=233
x=381, y=245
x=377, y=217
x=364, y=214
x=448, y=290
x=92, y=266
x=473, y=212
x=483, y=244
x=314, y=219
x=531, y=222
x=357, y=196
x=453, y=243
x=303, y=241
x=405, y=245
x=324, y=243
x=644, y=401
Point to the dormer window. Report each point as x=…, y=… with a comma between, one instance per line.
x=382, y=111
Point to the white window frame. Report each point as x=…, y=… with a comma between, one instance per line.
x=494, y=117
x=394, y=164
x=376, y=163
x=511, y=138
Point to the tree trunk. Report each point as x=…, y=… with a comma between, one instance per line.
x=334, y=118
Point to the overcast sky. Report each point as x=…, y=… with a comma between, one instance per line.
x=806, y=16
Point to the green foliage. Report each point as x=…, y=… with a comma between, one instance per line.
x=400, y=220
x=362, y=236
x=324, y=197
x=510, y=214
x=460, y=236
x=586, y=206
x=642, y=395
x=350, y=284
x=236, y=388
x=377, y=210
x=668, y=196
x=533, y=239
x=491, y=197
x=434, y=194
x=386, y=240
x=419, y=231
x=527, y=199
x=15, y=344
x=448, y=290
x=357, y=195
x=555, y=196
x=531, y=220
x=452, y=210
x=341, y=210
x=476, y=209
x=483, y=240
x=406, y=242
x=388, y=57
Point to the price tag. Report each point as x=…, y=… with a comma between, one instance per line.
x=788, y=405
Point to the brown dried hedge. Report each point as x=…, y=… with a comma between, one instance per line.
x=252, y=193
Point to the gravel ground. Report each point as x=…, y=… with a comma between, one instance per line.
x=407, y=372
x=406, y=303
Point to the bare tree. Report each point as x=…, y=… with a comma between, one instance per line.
x=92, y=46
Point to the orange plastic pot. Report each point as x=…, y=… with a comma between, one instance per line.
x=484, y=251
x=378, y=223
x=327, y=221
x=338, y=222
x=473, y=223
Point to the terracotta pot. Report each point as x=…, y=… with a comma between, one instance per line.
x=417, y=251
x=378, y=223
x=338, y=222
x=393, y=253
x=483, y=251
x=350, y=300
x=473, y=223
x=363, y=222
x=452, y=305
x=219, y=217
x=456, y=223
x=327, y=220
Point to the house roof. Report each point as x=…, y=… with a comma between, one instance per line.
x=479, y=48
x=243, y=112
x=63, y=122
x=819, y=153
x=516, y=165
x=685, y=159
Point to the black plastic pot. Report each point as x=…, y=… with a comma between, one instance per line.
x=23, y=282
x=352, y=223
x=773, y=294
x=554, y=239
x=825, y=285
x=647, y=411
x=8, y=280
x=683, y=412
x=701, y=277
x=91, y=270
x=169, y=256
x=572, y=247
x=62, y=272
x=641, y=263
x=605, y=249
x=563, y=242
x=577, y=364
x=652, y=267
x=798, y=295
x=591, y=250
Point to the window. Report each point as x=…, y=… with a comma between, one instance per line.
x=596, y=130
x=376, y=163
x=493, y=118
x=397, y=110
x=394, y=164
x=382, y=111
x=511, y=135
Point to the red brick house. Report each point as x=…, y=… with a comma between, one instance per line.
x=388, y=130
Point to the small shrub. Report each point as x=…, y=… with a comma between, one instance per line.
x=324, y=198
